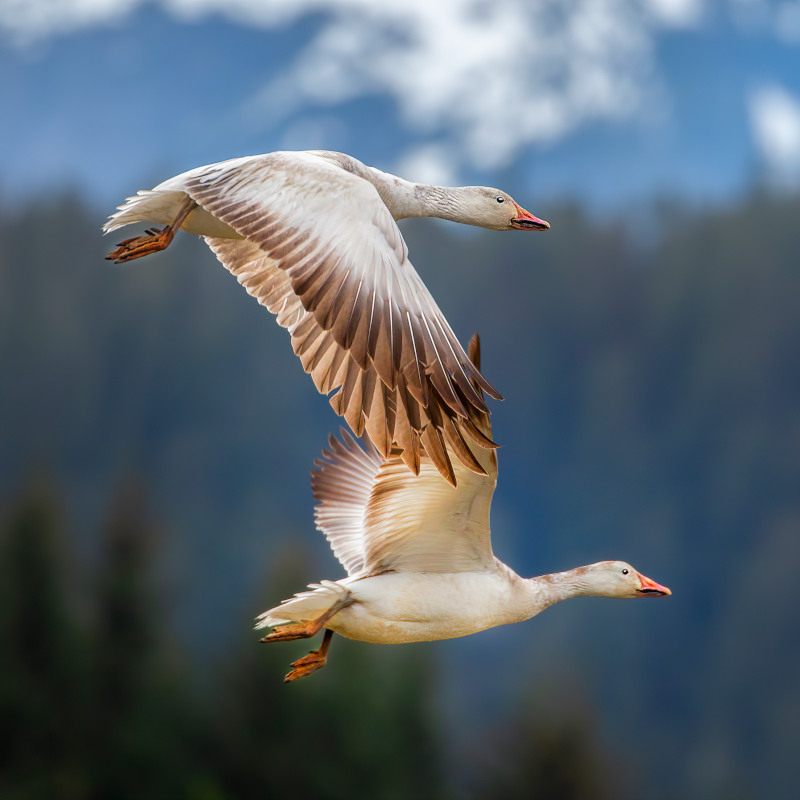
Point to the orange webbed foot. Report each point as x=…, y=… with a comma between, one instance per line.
x=151, y=242
x=291, y=631
x=153, y=239
x=306, y=665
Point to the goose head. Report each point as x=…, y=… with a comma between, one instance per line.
x=497, y=210
x=619, y=579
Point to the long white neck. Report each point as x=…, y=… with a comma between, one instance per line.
x=408, y=199
x=537, y=594
x=405, y=198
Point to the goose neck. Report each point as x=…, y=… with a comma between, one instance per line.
x=408, y=199
x=558, y=586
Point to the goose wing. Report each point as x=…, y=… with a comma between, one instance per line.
x=323, y=252
x=380, y=517
x=341, y=484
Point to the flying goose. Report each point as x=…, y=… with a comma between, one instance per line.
x=312, y=236
x=418, y=556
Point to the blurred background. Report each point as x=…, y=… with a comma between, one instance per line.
x=156, y=432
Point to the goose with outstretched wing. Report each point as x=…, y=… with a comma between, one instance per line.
x=313, y=237
x=418, y=556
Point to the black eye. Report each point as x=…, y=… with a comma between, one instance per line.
x=625, y=572
x=500, y=198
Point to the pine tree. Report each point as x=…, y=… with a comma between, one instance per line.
x=40, y=656
x=140, y=720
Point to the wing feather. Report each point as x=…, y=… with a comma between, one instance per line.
x=322, y=251
x=341, y=484
x=379, y=516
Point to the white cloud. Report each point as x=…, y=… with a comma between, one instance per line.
x=677, y=13
x=775, y=120
x=430, y=163
x=490, y=76
x=483, y=79
x=25, y=21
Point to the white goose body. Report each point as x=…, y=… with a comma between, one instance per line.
x=313, y=237
x=396, y=608
x=418, y=555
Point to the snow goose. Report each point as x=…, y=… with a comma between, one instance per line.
x=312, y=236
x=419, y=558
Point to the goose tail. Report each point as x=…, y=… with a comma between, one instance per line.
x=151, y=206
x=304, y=605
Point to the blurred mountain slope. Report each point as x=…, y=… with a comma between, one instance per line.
x=652, y=414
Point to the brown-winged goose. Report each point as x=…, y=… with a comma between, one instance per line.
x=312, y=236
x=419, y=558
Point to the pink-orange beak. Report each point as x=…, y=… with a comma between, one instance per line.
x=525, y=221
x=650, y=588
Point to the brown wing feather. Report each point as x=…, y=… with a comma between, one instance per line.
x=378, y=516
x=353, y=304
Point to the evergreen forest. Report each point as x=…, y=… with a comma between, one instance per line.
x=156, y=437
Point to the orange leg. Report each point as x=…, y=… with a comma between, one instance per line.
x=303, y=630
x=294, y=630
x=312, y=662
x=154, y=239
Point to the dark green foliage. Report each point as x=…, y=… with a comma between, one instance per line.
x=99, y=705
x=139, y=715
x=652, y=414
x=362, y=730
x=41, y=680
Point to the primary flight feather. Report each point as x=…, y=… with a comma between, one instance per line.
x=313, y=237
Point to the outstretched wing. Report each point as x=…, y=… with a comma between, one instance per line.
x=380, y=517
x=341, y=484
x=322, y=251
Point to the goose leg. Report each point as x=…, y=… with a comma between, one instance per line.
x=312, y=662
x=294, y=630
x=154, y=239
x=303, y=630
x=307, y=628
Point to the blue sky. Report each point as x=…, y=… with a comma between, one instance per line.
x=609, y=101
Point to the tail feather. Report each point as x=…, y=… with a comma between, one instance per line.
x=145, y=206
x=304, y=605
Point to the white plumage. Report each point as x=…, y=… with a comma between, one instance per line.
x=419, y=558
x=313, y=236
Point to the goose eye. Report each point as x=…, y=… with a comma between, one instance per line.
x=500, y=198
x=625, y=572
